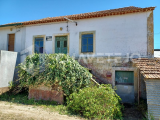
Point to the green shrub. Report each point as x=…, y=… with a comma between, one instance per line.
x=96, y=102
x=52, y=69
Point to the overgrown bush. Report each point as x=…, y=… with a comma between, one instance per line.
x=52, y=69
x=96, y=102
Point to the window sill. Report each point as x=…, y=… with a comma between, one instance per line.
x=83, y=53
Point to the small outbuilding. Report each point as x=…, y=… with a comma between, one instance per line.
x=157, y=53
x=150, y=71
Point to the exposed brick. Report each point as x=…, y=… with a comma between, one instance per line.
x=47, y=93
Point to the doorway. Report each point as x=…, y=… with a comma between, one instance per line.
x=61, y=44
x=11, y=41
x=124, y=81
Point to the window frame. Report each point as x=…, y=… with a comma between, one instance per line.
x=33, y=43
x=80, y=42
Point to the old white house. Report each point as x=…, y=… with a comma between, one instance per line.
x=107, y=39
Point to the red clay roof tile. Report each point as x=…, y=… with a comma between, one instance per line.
x=119, y=11
x=149, y=68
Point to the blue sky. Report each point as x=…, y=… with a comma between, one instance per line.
x=24, y=10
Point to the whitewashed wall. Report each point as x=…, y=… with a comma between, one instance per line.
x=19, y=44
x=123, y=34
x=114, y=34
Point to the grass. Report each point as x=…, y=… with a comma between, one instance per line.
x=13, y=117
x=151, y=117
x=142, y=107
x=22, y=98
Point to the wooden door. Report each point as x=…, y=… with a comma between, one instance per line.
x=11, y=42
x=61, y=44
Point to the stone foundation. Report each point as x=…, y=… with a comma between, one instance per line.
x=51, y=93
x=101, y=67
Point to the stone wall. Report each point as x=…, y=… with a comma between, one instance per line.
x=51, y=93
x=101, y=67
x=150, y=35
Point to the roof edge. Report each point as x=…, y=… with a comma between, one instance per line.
x=6, y=25
x=89, y=15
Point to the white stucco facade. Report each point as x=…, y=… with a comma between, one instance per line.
x=19, y=38
x=117, y=35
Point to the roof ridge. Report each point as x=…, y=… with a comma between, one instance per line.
x=102, y=13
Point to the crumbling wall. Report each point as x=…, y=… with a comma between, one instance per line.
x=51, y=93
x=101, y=67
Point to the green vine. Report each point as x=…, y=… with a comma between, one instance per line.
x=49, y=69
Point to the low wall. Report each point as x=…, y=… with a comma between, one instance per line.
x=51, y=93
x=7, y=67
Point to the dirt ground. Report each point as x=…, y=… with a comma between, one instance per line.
x=12, y=111
x=131, y=113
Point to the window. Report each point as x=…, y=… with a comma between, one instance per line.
x=87, y=43
x=38, y=45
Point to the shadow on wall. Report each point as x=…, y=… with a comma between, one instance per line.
x=7, y=67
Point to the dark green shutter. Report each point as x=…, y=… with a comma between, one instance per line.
x=61, y=44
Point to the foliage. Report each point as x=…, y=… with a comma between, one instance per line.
x=22, y=98
x=11, y=84
x=49, y=69
x=96, y=102
x=148, y=116
x=142, y=106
